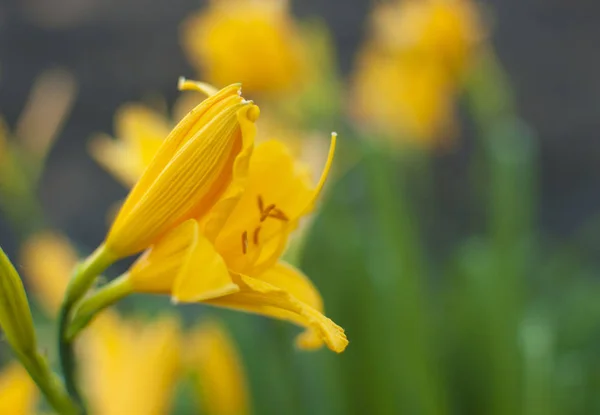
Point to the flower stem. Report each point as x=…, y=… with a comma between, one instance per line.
x=98, y=301
x=82, y=280
x=50, y=385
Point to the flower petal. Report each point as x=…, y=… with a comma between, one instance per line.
x=277, y=180
x=48, y=259
x=188, y=186
x=175, y=140
x=222, y=381
x=203, y=274
x=143, y=129
x=189, y=173
x=116, y=157
x=292, y=280
x=184, y=264
x=222, y=209
x=260, y=297
x=130, y=367
x=18, y=393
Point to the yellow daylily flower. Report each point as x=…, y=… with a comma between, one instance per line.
x=140, y=132
x=255, y=42
x=221, y=378
x=47, y=261
x=230, y=258
x=129, y=367
x=194, y=165
x=18, y=394
x=409, y=71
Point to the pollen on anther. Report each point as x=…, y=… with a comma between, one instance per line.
x=244, y=242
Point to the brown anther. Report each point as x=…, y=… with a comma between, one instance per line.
x=244, y=242
x=255, y=236
x=265, y=213
x=278, y=214
x=261, y=205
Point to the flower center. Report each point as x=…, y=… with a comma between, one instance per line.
x=265, y=212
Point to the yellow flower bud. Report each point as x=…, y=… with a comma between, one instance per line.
x=191, y=170
x=15, y=315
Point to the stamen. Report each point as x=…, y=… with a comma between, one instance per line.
x=255, y=236
x=261, y=205
x=265, y=213
x=244, y=242
x=278, y=214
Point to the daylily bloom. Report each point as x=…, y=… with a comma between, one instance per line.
x=409, y=71
x=221, y=379
x=230, y=258
x=18, y=393
x=193, y=167
x=140, y=131
x=129, y=367
x=255, y=42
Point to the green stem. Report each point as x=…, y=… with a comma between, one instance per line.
x=401, y=290
x=83, y=278
x=98, y=301
x=50, y=385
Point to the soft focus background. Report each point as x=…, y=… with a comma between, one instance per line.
x=457, y=240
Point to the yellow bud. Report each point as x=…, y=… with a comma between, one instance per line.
x=189, y=173
x=15, y=315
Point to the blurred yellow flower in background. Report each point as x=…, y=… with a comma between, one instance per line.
x=48, y=259
x=255, y=42
x=139, y=132
x=220, y=375
x=18, y=394
x=130, y=367
x=409, y=72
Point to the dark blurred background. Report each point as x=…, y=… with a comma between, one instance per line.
x=121, y=51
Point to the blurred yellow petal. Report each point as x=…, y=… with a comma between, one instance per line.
x=117, y=158
x=260, y=297
x=409, y=71
x=130, y=368
x=140, y=131
x=47, y=261
x=47, y=108
x=223, y=388
x=18, y=394
x=190, y=171
x=253, y=42
x=421, y=105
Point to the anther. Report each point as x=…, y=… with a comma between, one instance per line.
x=261, y=205
x=265, y=213
x=255, y=236
x=244, y=242
x=278, y=214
